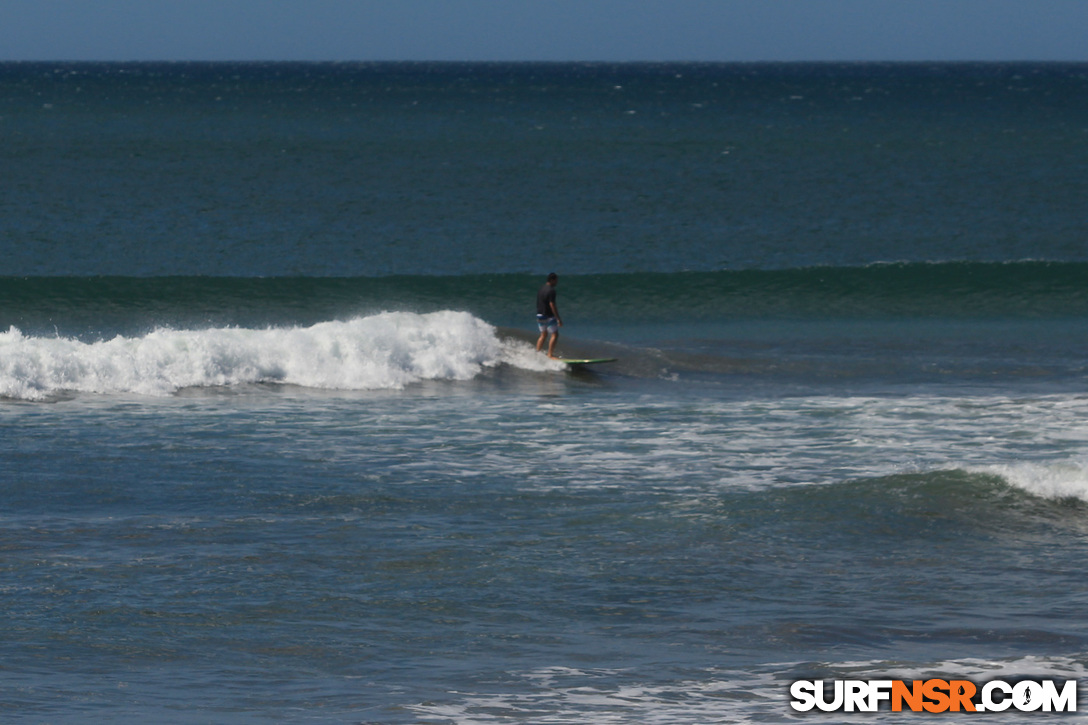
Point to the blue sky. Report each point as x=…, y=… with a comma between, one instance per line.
x=611, y=30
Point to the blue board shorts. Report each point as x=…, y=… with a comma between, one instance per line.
x=547, y=324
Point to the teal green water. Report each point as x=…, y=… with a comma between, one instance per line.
x=949, y=290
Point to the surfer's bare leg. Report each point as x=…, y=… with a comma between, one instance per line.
x=540, y=341
x=551, y=343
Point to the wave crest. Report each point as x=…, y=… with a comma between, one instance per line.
x=384, y=351
x=1055, y=480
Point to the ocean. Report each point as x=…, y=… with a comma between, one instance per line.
x=277, y=445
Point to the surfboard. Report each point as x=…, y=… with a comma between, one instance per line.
x=587, y=360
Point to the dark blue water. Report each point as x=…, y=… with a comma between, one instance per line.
x=277, y=445
x=346, y=169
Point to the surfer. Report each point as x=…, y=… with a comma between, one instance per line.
x=548, y=320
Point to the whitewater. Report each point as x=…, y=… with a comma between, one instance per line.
x=385, y=351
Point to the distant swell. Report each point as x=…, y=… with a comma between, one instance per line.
x=389, y=350
x=91, y=308
x=946, y=289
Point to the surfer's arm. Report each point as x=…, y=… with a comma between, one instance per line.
x=555, y=311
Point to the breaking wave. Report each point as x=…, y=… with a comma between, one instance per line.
x=385, y=351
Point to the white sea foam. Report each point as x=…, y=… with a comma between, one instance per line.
x=1059, y=479
x=385, y=351
x=1034, y=442
x=759, y=694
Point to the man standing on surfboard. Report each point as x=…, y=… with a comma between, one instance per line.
x=548, y=320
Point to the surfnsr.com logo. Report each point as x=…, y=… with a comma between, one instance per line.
x=933, y=695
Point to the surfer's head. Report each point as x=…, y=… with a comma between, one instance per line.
x=553, y=278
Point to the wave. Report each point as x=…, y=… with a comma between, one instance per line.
x=1016, y=484
x=385, y=351
x=1013, y=499
x=98, y=307
x=1026, y=289
x=1024, y=483
x=1059, y=480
